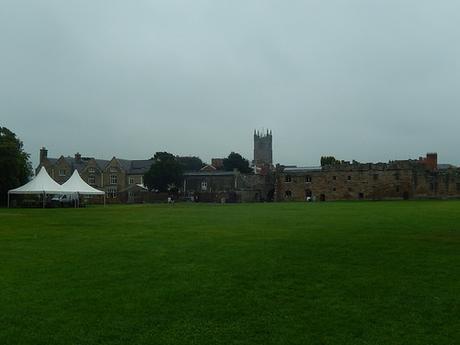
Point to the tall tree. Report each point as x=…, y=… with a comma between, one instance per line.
x=190, y=163
x=236, y=161
x=165, y=174
x=329, y=160
x=15, y=168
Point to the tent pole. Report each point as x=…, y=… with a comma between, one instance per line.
x=8, y=202
x=44, y=195
x=104, y=199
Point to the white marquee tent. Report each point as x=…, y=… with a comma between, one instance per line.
x=43, y=184
x=76, y=185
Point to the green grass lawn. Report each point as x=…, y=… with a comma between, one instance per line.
x=288, y=273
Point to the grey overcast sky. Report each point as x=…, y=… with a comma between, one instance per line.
x=370, y=80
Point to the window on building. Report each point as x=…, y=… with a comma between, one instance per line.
x=334, y=178
x=376, y=177
x=349, y=178
x=397, y=189
x=131, y=180
x=361, y=196
x=113, y=179
x=204, y=185
x=91, y=170
x=397, y=176
x=288, y=194
x=287, y=178
x=91, y=179
x=62, y=172
x=334, y=189
x=307, y=179
x=112, y=192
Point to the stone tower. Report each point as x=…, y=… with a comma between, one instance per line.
x=263, y=152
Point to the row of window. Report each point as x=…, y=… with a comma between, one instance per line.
x=113, y=179
x=308, y=179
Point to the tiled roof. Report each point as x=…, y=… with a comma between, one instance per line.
x=301, y=169
x=140, y=166
x=210, y=173
x=445, y=166
x=129, y=166
x=102, y=163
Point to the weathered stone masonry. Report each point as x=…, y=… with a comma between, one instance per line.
x=407, y=179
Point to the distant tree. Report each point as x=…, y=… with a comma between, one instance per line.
x=329, y=160
x=236, y=161
x=165, y=174
x=190, y=163
x=15, y=168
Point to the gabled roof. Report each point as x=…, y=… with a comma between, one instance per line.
x=138, y=166
x=102, y=163
x=208, y=168
x=124, y=164
x=137, y=187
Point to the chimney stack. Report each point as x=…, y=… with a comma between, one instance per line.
x=432, y=161
x=43, y=154
x=78, y=157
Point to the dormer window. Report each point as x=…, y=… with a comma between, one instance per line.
x=62, y=172
x=113, y=179
x=91, y=170
x=287, y=178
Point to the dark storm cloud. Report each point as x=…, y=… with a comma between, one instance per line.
x=366, y=80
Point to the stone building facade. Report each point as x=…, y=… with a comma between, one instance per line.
x=113, y=176
x=231, y=186
x=407, y=179
x=122, y=179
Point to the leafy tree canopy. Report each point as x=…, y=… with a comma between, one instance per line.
x=329, y=160
x=15, y=168
x=165, y=174
x=190, y=163
x=236, y=161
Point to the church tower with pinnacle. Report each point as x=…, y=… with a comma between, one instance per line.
x=263, y=151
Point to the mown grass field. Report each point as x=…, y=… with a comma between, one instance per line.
x=294, y=273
